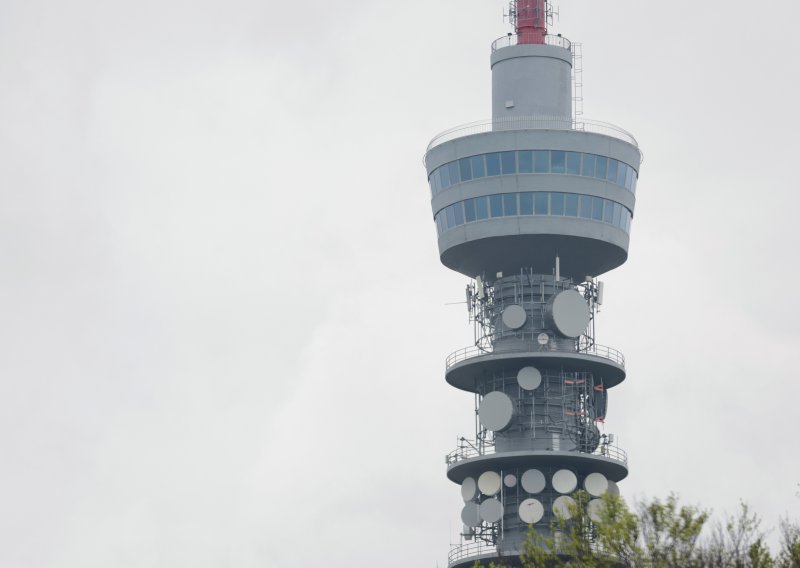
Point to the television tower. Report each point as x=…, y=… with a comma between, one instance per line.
x=532, y=206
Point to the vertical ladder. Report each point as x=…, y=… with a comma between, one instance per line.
x=577, y=83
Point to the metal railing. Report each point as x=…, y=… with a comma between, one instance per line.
x=533, y=123
x=468, y=550
x=513, y=39
x=590, y=349
x=473, y=449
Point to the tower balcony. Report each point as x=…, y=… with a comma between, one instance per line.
x=511, y=40
x=469, y=449
x=464, y=366
x=465, y=555
x=524, y=123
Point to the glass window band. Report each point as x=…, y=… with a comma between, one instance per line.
x=533, y=162
x=527, y=203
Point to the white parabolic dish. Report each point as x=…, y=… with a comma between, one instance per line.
x=595, y=510
x=470, y=515
x=531, y=511
x=570, y=313
x=562, y=506
x=469, y=489
x=491, y=510
x=529, y=378
x=496, y=411
x=514, y=316
x=533, y=481
x=564, y=481
x=595, y=484
x=489, y=483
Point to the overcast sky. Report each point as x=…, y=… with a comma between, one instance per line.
x=224, y=322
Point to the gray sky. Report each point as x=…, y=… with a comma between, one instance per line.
x=224, y=320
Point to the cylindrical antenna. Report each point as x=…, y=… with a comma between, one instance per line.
x=531, y=21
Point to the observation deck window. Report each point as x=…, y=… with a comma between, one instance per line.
x=597, y=208
x=557, y=203
x=540, y=201
x=509, y=161
x=496, y=205
x=481, y=210
x=588, y=165
x=526, y=203
x=525, y=161
x=571, y=209
x=537, y=162
x=558, y=162
x=601, y=167
x=478, y=168
x=534, y=203
x=493, y=164
x=510, y=204
x=464, y=169
x=573, y=163
x=542, y=161
x=586, y=208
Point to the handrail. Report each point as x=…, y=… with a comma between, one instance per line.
x=473, y=449
x=513, y=39
x=468, y=550
x=590, y=349
x=533, y=123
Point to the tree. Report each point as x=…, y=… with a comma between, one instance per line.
x=659, y=534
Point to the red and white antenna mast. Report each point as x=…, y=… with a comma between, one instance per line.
x=530, y=20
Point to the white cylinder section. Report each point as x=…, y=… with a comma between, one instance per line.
x=532, y=80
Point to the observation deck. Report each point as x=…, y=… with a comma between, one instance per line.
x=517, y=191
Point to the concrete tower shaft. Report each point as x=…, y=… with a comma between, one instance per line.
x=532, y=80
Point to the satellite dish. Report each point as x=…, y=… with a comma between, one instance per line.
x=562, y=507
x=529, y=378
x=470, y=515
x=595, y=484
x=496, y=411
x=568, y=313
x=531, y=511
x=491, y=510
x=543, y=339
x=514, y=316
x=613, y=488
x=469, y=489
x=533, y=481
x=489, y=483
x=510, y=480
x=564, y=481
x=595, y=510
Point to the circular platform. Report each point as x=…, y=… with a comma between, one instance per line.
x=466, y=374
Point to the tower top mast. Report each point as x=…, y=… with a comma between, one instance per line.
x=530, y=20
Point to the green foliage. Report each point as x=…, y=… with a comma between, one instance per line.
x=789, y=556
x=669, y=532
x=659, y=534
